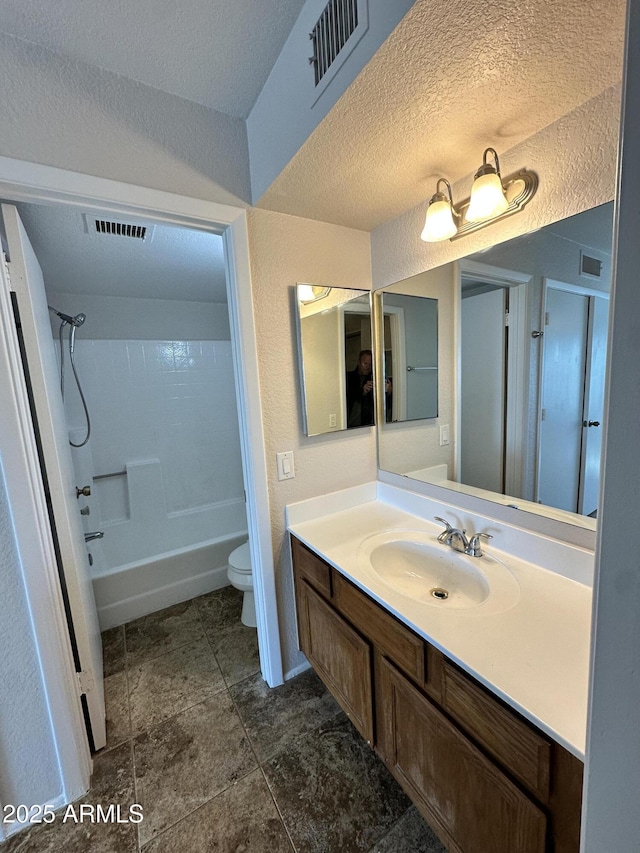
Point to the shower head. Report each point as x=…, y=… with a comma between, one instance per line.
x=78, y=320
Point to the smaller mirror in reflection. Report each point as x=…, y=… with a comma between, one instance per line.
x=410, y=356
x=336, y=362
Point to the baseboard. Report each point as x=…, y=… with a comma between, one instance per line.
x=297, y=670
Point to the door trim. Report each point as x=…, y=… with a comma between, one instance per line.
x=36, y=183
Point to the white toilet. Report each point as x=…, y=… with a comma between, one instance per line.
x=240, y=576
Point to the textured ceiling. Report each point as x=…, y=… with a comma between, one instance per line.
x=215, y=53
x=452, y=79
x=176, y=263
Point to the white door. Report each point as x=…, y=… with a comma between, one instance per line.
x=60, y=487
x=593, y=404
x=482, y=411
x=562, y=398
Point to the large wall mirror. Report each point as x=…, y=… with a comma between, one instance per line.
x=336, y=362
x=522, y=329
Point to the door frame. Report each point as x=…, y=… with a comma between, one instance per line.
x=517, y=371
x=39, y=184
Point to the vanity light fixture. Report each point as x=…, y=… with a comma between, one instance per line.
x=440, y=221
x=311, y=293
x=492, y=198
x=487, y=193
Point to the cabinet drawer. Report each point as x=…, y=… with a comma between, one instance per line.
x=309, y=566
x=390, y=636
x=500, y=731
x=341, y=658
x=468, y=801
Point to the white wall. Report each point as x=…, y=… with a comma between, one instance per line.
x=29, y=771
x=411, y=445
x=286, y=111
x=128, y=318
x=78, y=117
x=285, y=250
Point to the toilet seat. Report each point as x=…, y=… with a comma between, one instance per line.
x=240, y=559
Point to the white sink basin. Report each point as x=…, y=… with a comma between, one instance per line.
x=415, y=565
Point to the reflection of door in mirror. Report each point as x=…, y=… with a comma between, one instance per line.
x=484, y=350
x=571, y=400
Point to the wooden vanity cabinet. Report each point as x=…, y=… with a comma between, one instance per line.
x=483, y=777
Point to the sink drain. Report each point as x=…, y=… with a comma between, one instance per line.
x=439, y=593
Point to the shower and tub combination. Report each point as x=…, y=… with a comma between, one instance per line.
x=163, y=464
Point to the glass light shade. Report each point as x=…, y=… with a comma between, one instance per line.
x=439, y=223
x=487, y=198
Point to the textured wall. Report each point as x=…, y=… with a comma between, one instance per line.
x=288, y=107
x=29, y=771
x=575, y=158
x=286, y=250
x=78, y=117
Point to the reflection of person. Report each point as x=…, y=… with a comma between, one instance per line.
x=360, y=392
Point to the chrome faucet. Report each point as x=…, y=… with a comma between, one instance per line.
x=97, y=534
x=457, y=539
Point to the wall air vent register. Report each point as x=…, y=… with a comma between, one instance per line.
x=334, y=36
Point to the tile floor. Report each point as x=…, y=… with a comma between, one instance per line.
x=220, y=762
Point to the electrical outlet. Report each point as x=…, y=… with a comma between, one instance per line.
x=444, y=435
x=332, y=420
x=286, y=470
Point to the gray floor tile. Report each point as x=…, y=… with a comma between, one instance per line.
x=236, y=649
x=166, y=685
x=153, y=635
x=274, y=717
x=411, y=834
x=332, y=791
x=113, y=654
x=112, y=782
x=220, y=609
x=242, y=818
x=186, y=761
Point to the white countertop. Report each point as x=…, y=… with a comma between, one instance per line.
x=534, y=655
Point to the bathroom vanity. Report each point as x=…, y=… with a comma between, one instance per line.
x=446, y=692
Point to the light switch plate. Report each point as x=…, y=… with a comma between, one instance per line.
x=444, y=435
x=286, y=469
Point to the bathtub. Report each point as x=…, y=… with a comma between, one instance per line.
x=126, y=592
x=150, y=558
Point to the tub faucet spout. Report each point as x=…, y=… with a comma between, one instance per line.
x=97, y=534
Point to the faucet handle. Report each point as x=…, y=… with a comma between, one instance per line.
x=474, y=549
x=447, y=531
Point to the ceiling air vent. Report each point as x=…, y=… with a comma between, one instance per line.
x=112, y=228
x=590, y=266
x=121, y=229
x=333, y=28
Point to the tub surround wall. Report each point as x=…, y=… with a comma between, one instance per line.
x=167, y=400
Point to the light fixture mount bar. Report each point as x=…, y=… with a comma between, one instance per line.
x=519, y=188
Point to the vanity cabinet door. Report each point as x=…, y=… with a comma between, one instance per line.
x=467, y=800
x=339, y=655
